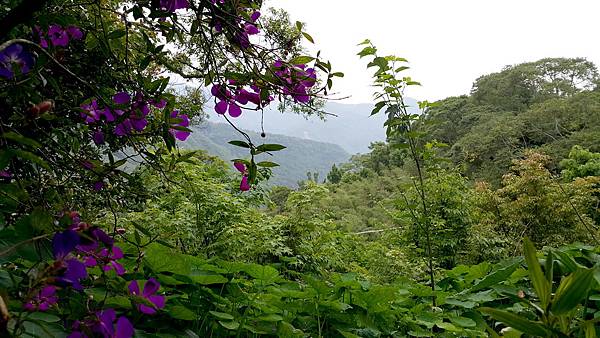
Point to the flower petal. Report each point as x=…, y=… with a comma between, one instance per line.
x=151, y=286
x=134, y=288
x=221, y=107
x=64, y=242
x=121, y=98
x=146, y=309
x=234, y=110
x=244, y=186
x=124, y=328
x=158, y=300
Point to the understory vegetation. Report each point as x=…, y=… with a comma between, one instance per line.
x=478, y=217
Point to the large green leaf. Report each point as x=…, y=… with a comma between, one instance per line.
x=181, y=312
x=572, y=290
x=517, y=322
x=568, y=262
x=540, y=284
x=264, y=273
x=496, y=277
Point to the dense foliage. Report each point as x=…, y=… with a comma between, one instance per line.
x=107, y=229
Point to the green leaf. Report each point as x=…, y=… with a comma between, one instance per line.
x=118, y=302
x=308, y=37
x=378, y=106
x=21, y=139
x=181, y=312
x=270, y=318
x=239, y=144
x=549, y=267
x=222, y=315
x=207, y=278
x=540, y=284
x=466, y=304
x=572, y=290
x=267, y=164
x=496, y=277
x=141, y=229
x=230, y=325
x=464, y=322
x=270, y=147
x=447, y=326
x=367, y=51
x=119, y=33
x=589, y=329
x=45, y=317
x=262, y=272
x=25, y=155
x=517, y=322
x=301, y=60
x=568, y=262
x=41, y=220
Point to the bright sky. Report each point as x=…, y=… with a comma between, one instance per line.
x=449, y=43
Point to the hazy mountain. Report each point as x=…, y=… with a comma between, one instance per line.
x=353, y=128
x=300, y=156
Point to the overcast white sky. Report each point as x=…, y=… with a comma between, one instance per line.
x=449, y=43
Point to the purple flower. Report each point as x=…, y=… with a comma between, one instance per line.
x=74, y=32
x=150, y=288
x=103, y=325
x=14, y=58
x=98, y=137
x=234, y=110
x=98, y=186
x=42, y=37
x=244, y=185
x=241, y=167
x=123, y=128
x=72, y=271
x=58, y=36
x=223, y=106
x=43, y=299
x=91, y=237
x=160, y=104
x=121, y=98
x=92, y=112
x=108, y=260
x=173, y=5
x=5, y=174
x=255, y=16
x=251, y=29
x=63, y=243
x=181, y=135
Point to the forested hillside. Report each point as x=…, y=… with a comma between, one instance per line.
x=473, y=216
x=298, y=158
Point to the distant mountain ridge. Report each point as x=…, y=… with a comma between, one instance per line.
x=300, y=156
x=353, y=128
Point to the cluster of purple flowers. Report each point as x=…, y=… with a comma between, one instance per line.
x=75, y=249
x=58, y=36
x=232, y=101
x=241, y=167
x=131, y=113
x=295, y=80
x=14, y=59
x=104, y=324
x=244, y=28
